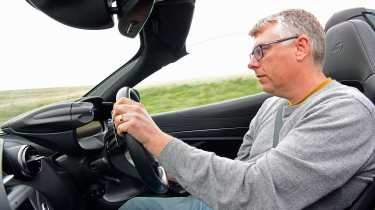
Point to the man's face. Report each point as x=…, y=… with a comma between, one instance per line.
x=274, y=69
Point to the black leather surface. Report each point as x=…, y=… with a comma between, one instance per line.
x=349, y=14
x=350, y=55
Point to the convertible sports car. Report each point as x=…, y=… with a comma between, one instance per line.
x=67, y=156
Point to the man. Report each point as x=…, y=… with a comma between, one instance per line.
x=322, y=157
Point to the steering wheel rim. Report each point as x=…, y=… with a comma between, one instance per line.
x=151, y=173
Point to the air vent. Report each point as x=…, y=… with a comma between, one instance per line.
x=30, y=161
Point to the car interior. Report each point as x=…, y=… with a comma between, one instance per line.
x=67, y=155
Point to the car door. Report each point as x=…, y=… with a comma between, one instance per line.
x=217, y=127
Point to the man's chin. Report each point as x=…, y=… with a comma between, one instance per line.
x=267, y=89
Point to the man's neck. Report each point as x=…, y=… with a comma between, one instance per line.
x=304, y=86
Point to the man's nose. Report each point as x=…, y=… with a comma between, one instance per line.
x=253, y=64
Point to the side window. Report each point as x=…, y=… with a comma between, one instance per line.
x=218, y=45
x=214, y=70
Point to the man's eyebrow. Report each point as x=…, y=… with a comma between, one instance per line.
x=260, y=43
x=257, y=45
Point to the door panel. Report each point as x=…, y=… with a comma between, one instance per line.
x=217, y=127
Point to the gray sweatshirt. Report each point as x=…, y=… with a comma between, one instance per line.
x=325, y=157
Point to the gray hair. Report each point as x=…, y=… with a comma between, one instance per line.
x=295, y=22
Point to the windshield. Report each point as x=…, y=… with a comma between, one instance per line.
x=45, y=61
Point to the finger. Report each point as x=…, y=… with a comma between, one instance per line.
x=114, y=112
x=118, y=110
x=122, y=129
x=124, y=100
x=119, y=103
x=123, y=109
x=118, y=120
x=124, y=117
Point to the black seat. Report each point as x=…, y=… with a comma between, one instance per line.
x=350, y=51
x=360, y=13
x=350, y=55
x=350, y=59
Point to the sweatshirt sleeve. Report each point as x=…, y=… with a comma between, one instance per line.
x=249, y=137
x=327, y=147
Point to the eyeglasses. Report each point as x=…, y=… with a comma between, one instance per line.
x=258, y=51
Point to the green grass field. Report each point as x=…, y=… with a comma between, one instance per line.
x=155, y=98
x=14, y=102
x=177, y=96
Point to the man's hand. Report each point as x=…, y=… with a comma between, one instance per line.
x=132, y=117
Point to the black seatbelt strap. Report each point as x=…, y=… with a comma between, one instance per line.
x=278, y=125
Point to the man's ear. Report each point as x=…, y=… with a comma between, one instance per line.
x=303, y=47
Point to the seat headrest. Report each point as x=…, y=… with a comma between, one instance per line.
x=350, y=55
x=359, y=13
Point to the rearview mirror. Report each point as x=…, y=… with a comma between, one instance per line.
x=133, y=15
x=98, y=14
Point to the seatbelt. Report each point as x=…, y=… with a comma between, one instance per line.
x=278, y=125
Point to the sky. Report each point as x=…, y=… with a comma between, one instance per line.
x=37, y=51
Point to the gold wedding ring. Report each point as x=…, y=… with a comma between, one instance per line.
x=122, y=119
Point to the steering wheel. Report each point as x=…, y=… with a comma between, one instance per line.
x=151, y=173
